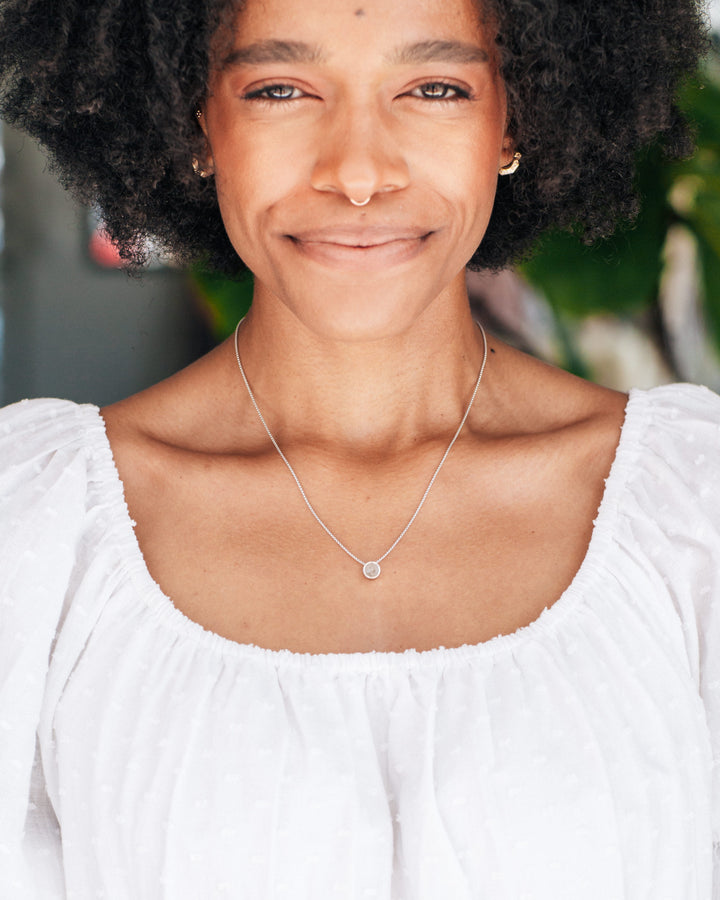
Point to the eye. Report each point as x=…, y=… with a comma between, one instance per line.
x=440, y=90
x=274, y=93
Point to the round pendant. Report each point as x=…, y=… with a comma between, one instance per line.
x=371, y=570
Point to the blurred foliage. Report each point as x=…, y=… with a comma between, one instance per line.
x=223, y=301
x=621, y=275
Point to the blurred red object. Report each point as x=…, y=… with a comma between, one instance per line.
x=102, y=250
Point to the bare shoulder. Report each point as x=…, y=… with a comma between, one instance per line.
x=564, y=429
x=535, y=397
x=162, y=434
x=188, y=410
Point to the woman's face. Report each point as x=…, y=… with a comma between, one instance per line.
x=317, y=103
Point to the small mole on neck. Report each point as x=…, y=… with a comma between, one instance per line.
x=359, y=13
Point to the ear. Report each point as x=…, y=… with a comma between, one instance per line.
x=508, y=149
x=207, y=164
x=200, y=119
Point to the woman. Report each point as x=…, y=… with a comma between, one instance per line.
x=272, y=687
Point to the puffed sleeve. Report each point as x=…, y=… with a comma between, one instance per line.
x=43, y=472
x=702, y=443
x=680, y=481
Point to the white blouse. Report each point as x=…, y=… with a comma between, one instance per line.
x=144, y=758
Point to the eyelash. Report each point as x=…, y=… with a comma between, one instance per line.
x=458, y=92
x=262, y=95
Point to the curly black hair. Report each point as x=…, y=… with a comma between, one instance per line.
x=110, y=88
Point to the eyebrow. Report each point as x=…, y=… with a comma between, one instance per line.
x=439, y=51
x=274, y=51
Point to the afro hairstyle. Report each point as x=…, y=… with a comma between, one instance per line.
x=110, y=88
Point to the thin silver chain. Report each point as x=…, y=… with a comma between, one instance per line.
x=301, y=489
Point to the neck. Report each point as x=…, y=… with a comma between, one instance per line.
x=362, y=397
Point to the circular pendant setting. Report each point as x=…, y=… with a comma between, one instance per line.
x=371, y=570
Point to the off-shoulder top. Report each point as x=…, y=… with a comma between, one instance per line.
x=144, y=758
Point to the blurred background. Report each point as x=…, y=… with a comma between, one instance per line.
x=640, y=309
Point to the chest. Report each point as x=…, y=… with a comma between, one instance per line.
x=247, y=559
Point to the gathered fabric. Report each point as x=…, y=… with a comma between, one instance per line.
x=145, y=758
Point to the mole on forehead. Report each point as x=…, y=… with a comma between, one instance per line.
x=359, y=13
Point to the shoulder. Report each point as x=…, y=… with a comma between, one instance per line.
x=51, y=533
x=572, y=424
x=542, y=399
x=668, y=465
x=51, y=452
x=49, y=488
x=37, y=427
x=678, y=430
x=668, y=493
x=677, y=406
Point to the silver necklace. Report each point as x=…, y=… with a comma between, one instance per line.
x=371, y=569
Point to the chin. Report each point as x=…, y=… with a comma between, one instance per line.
x=356, y=318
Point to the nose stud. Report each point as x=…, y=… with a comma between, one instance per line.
x=360, y=202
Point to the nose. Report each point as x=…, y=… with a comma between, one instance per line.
x=359, y=156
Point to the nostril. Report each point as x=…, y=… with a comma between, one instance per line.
x=360, y=166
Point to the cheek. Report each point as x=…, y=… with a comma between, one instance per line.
x=467, y=179
x=482, y=164
x=256, y=173
x=465, y=160
x=248, y=187
x=238, y=203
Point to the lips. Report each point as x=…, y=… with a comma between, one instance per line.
x=366, y=247
x=359, y=236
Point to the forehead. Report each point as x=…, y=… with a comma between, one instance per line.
x=325, y=24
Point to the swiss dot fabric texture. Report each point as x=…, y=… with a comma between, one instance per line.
x=143, y=758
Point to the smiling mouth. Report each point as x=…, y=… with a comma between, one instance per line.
x=369, y=248
x=374, y=245
x=359, y=236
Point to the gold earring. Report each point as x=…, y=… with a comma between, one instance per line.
x=198, y=170
x=512, y=166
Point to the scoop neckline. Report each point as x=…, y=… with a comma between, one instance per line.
x=163, y=608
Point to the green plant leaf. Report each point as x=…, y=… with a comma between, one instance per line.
x=617, y=275
x=701, y=101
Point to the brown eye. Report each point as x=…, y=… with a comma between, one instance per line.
x=440, y=90
x=279, y=91
x=274, y=92
x=436, y=90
